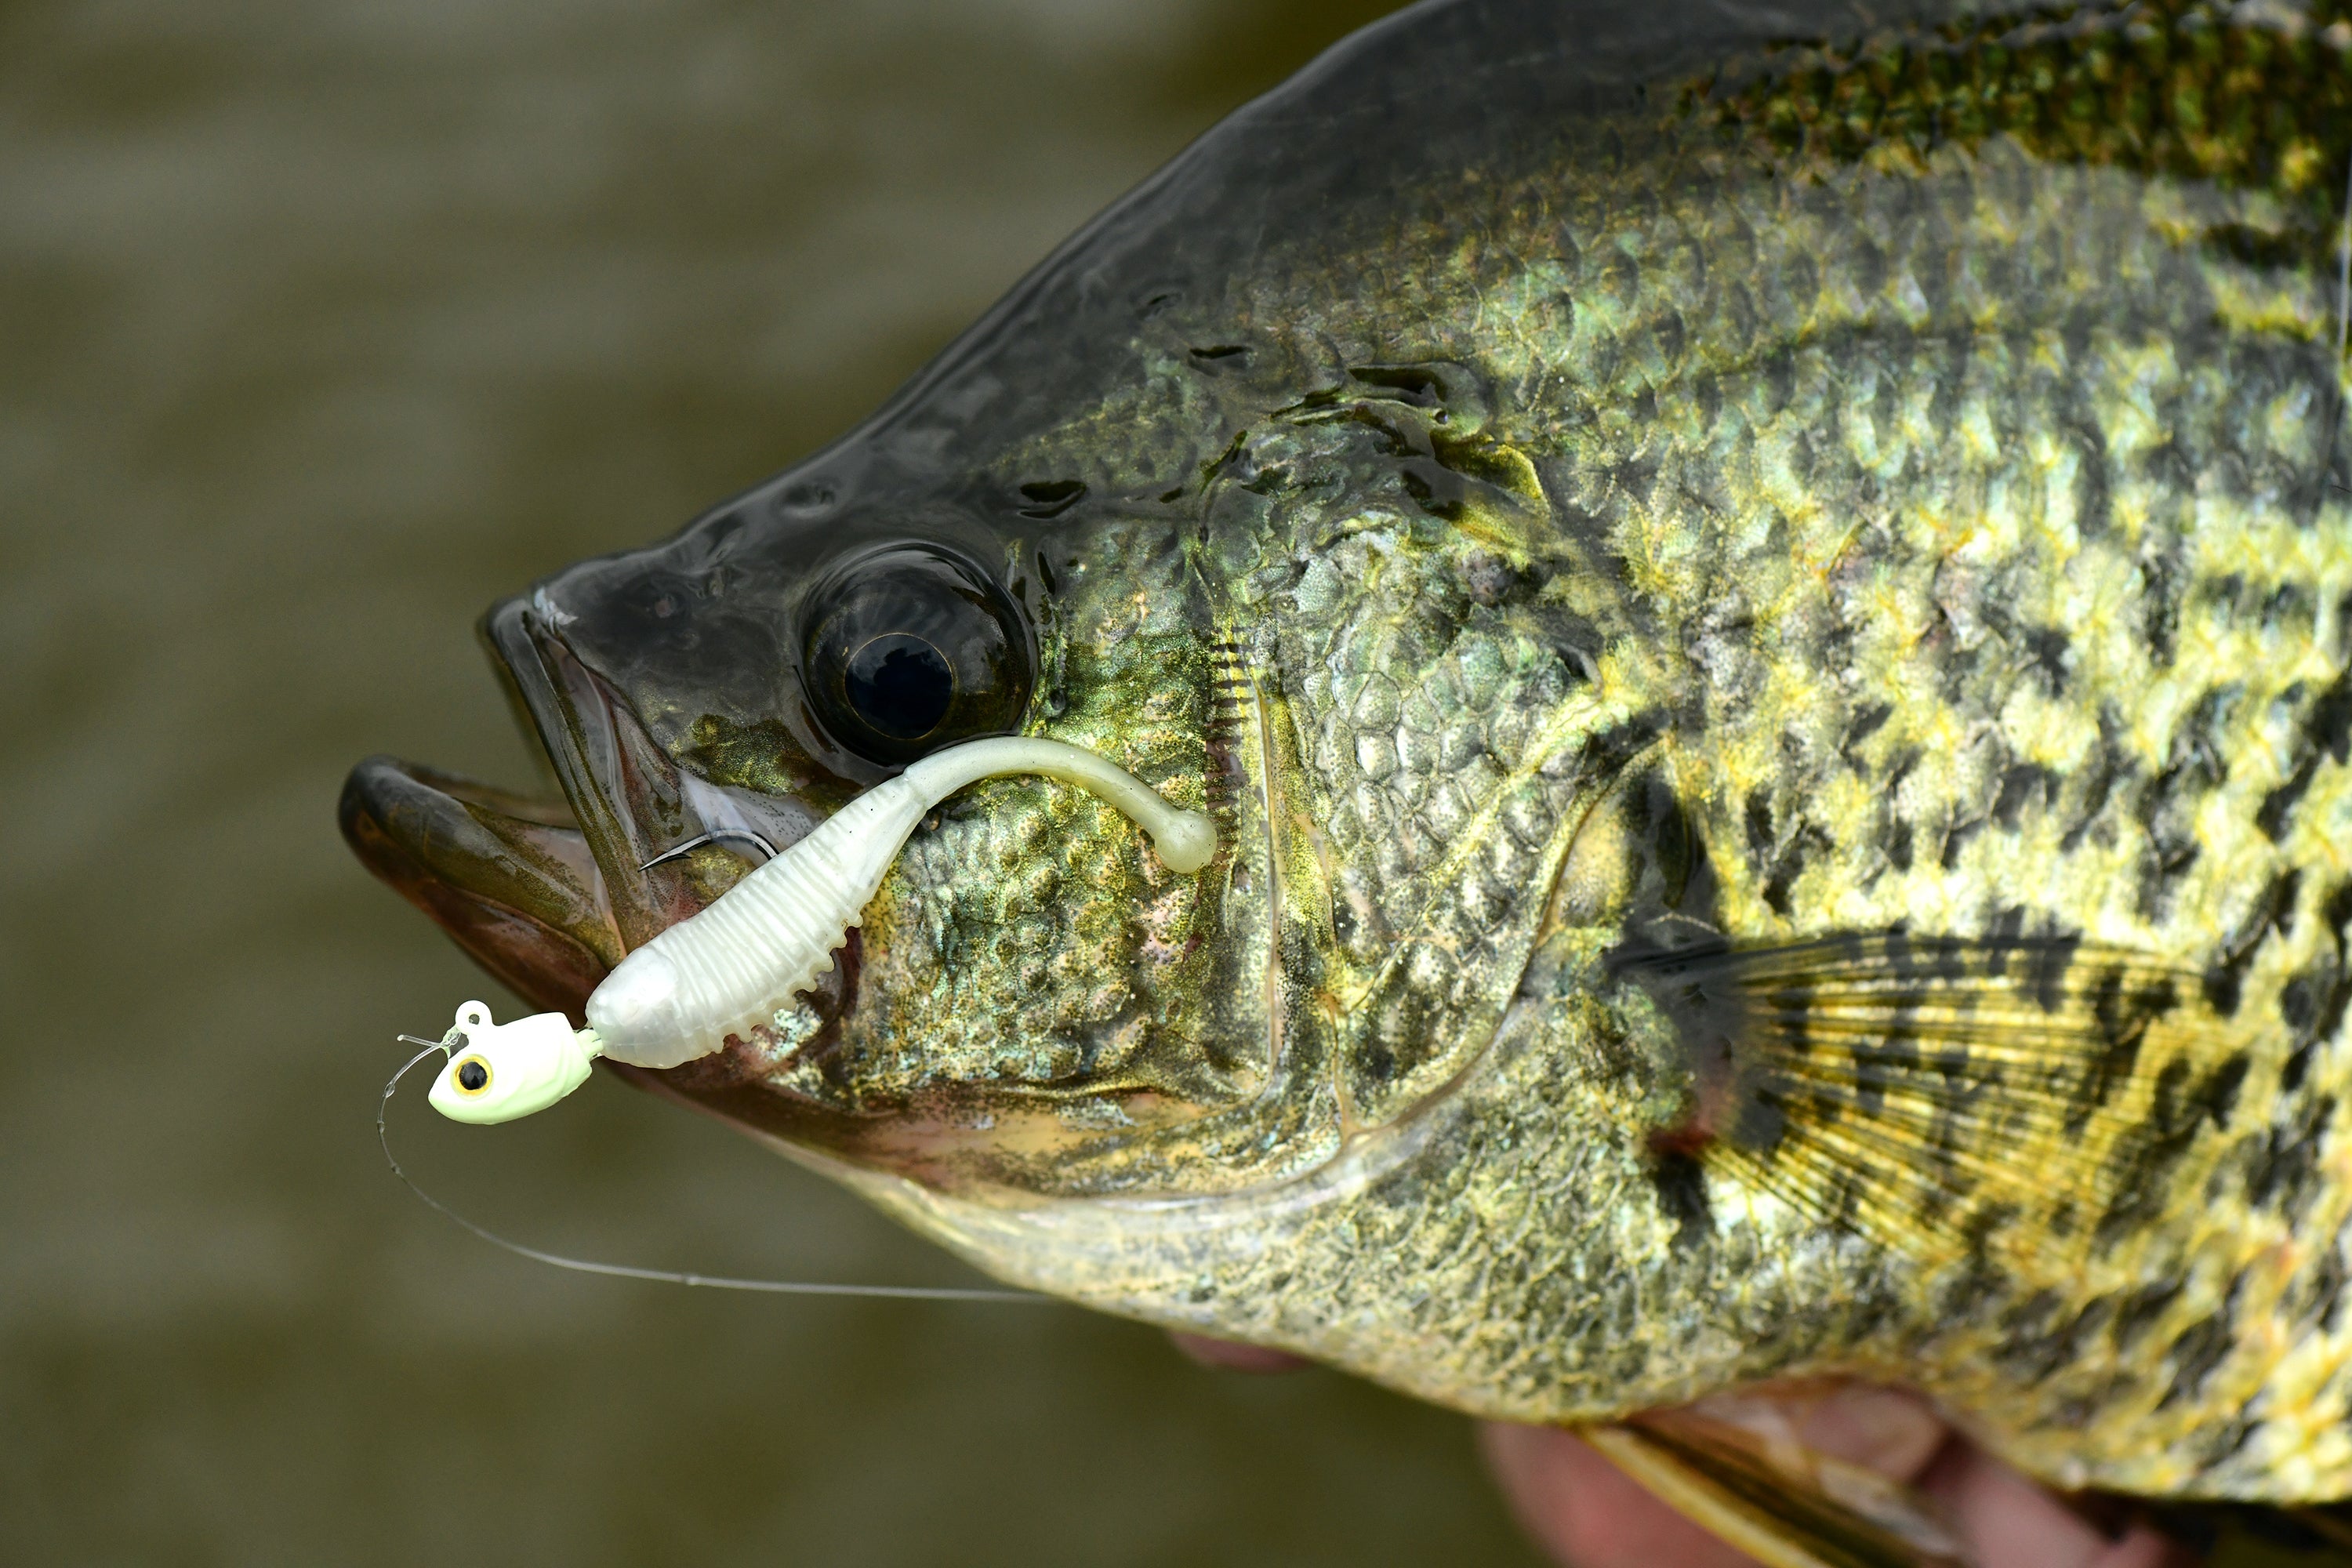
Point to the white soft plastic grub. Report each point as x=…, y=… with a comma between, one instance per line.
x=773, y=933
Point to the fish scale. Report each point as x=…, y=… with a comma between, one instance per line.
x=1768, y=627
x=1936, y=511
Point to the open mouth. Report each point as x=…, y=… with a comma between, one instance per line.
x=547, y=895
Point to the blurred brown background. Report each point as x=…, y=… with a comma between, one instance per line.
x=322, y=323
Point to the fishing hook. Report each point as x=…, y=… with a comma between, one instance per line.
x=713, y=836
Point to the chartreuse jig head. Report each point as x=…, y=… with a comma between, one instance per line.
x=496, y=1072
x=770, y=935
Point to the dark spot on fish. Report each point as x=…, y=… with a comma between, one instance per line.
x=2218, y=1096
x=2095, y=505
x=2330, y=723
x=2048, y=965
x=1955, y=840
x=2046, y=648
x=1866, y=724
x=2271, y=815
x=2019, y=786
x=2217, y=1442
x=2282, y=1164
x=2201, y=1347
x=2326, y=731
x=2173, y=850
x=2222, y=986
x=2146, y=1152
x=1791, y=864
x=2139, y=1311
x=2225, y=981
x=2161, y=610
x=1898, y=846
x=2265, y=249
x=1972, y=1286
x=1156, y=303
x=2005, y=932
x=2108, y=762
x=2290, y=610
x=1676, y=846
x=1051, y=498
x=2312, y=1004
x=1681, y=1185
x=2039, y=1337
x=2336, y=910
x=2317, y=1297
x=2122, y=1021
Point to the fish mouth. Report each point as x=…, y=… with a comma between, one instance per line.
x=510, y=879
x=547, y=894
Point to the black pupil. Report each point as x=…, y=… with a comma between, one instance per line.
x=900, y=685
x=472, y=1076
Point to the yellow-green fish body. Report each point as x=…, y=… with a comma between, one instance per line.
x=1770, y=627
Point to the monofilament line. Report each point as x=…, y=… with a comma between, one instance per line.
x=664, y=1276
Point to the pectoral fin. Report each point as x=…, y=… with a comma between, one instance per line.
x=1800, y=1510
x=1945, y=1095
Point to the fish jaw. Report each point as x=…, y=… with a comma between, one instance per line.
x=549, y=895
x=509, y=879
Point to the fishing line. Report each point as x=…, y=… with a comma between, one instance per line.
x=662, y=1276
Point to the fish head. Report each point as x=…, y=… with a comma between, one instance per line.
x=1033, y=1000
x=1193, y=499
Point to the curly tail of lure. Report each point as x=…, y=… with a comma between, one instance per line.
x=474, y=1022
x=769, y=936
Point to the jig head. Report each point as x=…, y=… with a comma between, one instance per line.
x=497, y=1071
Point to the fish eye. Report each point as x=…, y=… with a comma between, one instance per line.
x=909, y=648
x=473, y=1075
x=900, y=685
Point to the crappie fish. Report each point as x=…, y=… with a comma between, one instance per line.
x=1764, y=603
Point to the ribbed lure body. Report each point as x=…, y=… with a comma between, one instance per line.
x=732, y=965
x=771, y=934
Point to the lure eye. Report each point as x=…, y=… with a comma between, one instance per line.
x=908, y=649
x=473, y=1075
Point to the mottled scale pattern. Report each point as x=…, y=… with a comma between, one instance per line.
x=1077, y=960
x=1444, y=762
x=1890, y=491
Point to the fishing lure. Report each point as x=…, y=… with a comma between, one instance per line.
x=770, y=936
